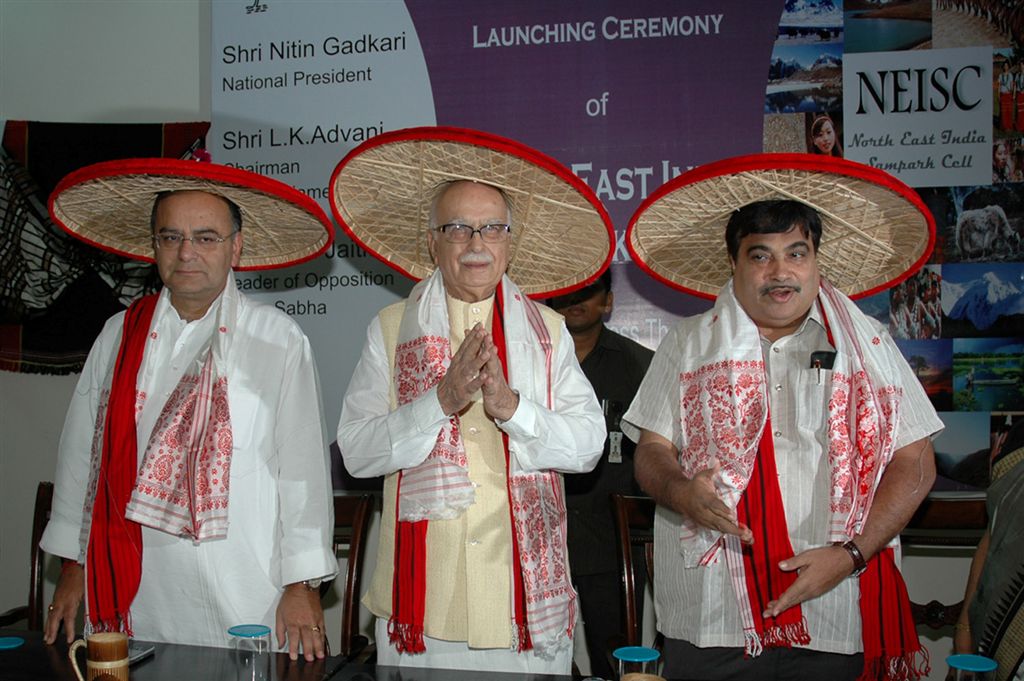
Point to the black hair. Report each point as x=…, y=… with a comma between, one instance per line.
x=771, y=217
x=602, y=284
x=233, y=209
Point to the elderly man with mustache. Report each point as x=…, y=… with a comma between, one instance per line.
x=782, y=434
x=468, y=397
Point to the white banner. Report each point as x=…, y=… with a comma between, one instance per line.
x=296, y=85
x=923, y=115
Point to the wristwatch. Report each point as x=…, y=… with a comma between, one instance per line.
x=313, y=584
x=859, y=564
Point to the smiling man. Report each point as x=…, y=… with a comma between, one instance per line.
x=192, y=490
x=782, y=434
x=469, y=399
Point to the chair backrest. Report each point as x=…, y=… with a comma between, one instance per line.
x=40, y=516
x=634, y=525
x=944, y=522
x=352, y=516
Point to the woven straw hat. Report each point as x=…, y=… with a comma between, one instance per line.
x=876, y=231
x=108, y=205
x=381, y=194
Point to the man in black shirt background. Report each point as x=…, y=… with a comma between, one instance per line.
x=614, y=365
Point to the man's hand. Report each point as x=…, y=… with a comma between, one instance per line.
x=300, y=619
x=656, y=464
x=465, y=373
x=700, y=503
x=819, y=571
x=500, y=401
x=66, y=600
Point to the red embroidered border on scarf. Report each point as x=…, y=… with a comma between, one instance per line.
x=892, y=649
x=761, y=509
x=114, y=556
x=409, y=585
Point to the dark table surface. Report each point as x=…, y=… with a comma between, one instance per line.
x=359, y=672
x=36, y=661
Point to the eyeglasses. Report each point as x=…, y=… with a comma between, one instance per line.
x=172, y=241
x=458, y=233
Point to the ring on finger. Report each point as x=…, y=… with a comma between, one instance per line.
x=314, y=628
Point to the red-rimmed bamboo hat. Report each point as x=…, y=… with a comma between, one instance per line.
x=108, y=205
x=381, y=194
x=876, y=231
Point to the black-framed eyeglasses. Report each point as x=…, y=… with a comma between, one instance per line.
x=458, y=233
x=206, y=241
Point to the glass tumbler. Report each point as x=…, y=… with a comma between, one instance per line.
x=637, y=663
x=251, y=644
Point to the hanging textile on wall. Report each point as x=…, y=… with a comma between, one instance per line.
x=56, y=292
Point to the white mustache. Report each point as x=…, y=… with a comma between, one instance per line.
x=476, y=259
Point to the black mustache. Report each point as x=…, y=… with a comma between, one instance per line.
x=765, y=290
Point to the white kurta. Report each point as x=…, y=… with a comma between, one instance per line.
x=697, y=604
x=280, y=510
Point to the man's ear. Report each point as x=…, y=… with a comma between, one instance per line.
x=431, y=246
x=609, y=301
x=236, y=256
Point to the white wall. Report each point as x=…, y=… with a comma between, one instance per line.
x=148, y=61
x=86, y=61
x=105, y=61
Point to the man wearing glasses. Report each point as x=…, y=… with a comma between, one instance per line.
x=469, y=399
x=192, y=489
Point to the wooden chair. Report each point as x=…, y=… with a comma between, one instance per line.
x=33, y=611
x=352, y=516
x=955, y=521
x=634, y=524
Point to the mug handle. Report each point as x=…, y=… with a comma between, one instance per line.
x=71, y=655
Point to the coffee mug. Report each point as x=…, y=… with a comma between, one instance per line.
x=106, y=656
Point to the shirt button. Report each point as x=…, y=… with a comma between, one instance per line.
x=778, y=387
x=778, y=433
x=473, y=431
x=776, y=350
x=476, y=310
x=473, y=542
